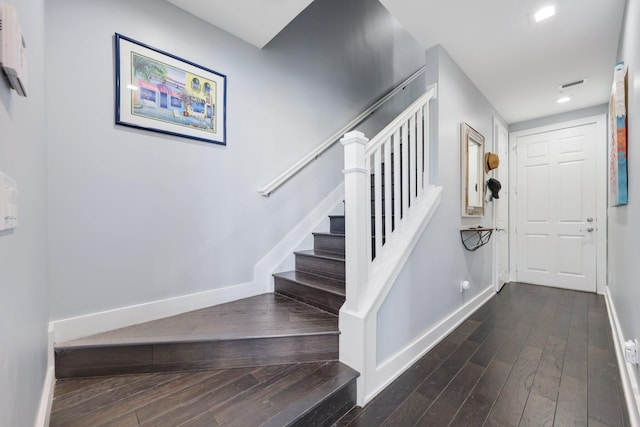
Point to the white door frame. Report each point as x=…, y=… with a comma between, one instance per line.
x=601, y=192
x=499, y=127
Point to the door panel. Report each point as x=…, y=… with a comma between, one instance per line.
x=570, y=203
x=537, y=253
x=535, y=196
x=555, y=197
x=537, y=151
x=567, y=263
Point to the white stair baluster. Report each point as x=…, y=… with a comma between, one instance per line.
x=377, y=194
x=388, y=197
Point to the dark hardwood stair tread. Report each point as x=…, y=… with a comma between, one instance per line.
x=268, y=329
x=324, y=233
x=333, y=286
x=333, y=256
x=271, y=395
x=262, y=316
x=310, y=393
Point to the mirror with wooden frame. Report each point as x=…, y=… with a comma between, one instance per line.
x=472, y=173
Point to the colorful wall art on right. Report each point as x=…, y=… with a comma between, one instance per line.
x=618, y=137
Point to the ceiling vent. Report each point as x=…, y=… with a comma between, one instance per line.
x=572, y=84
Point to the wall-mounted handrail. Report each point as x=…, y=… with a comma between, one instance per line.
x=333, y=139
x=388, y=130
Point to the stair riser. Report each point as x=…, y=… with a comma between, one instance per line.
x=336, y=224
x=101, y=361
x=315, y=297
x=320, y=266
x=329, y=243
x=337, y=229
x=331, y=409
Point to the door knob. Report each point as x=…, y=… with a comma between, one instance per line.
x=590, y=229
x=589, y=219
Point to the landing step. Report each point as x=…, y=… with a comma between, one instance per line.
x=264, y=330
x=313, y=394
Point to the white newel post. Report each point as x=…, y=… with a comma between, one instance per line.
x=357, y=214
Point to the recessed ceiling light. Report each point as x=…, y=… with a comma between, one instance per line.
x=563, y=99
x=544, y=13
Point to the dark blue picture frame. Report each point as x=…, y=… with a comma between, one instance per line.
x=146, y=77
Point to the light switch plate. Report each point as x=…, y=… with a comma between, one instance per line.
x=631, y=351
x=8, y=203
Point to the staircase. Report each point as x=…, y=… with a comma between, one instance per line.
x=272, y=360
x=318, y=279
x=268, y=360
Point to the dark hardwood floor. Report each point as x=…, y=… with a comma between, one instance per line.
x=531, y=356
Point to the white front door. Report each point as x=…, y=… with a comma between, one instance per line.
x=501, y=206
x=556, y=208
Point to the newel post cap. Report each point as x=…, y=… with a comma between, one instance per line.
x=354, y=144
x=354, y=137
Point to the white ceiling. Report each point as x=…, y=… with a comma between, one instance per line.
x=254, y=21
x=517, y=65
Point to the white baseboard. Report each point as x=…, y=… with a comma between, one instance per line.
x=393, y=367
x=46, y=398
x=629, y=381
x=94, y=323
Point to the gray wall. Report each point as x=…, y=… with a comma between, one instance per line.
x=427, y=289
x=138, y=216
x=624, y=227
x=23, y=251
x=559, y=118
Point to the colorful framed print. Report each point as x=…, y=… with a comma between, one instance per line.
x=161, y=92
x=618, y=192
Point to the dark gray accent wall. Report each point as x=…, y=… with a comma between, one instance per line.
x=354, y=48
x=138, y=216
x=361, y=48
